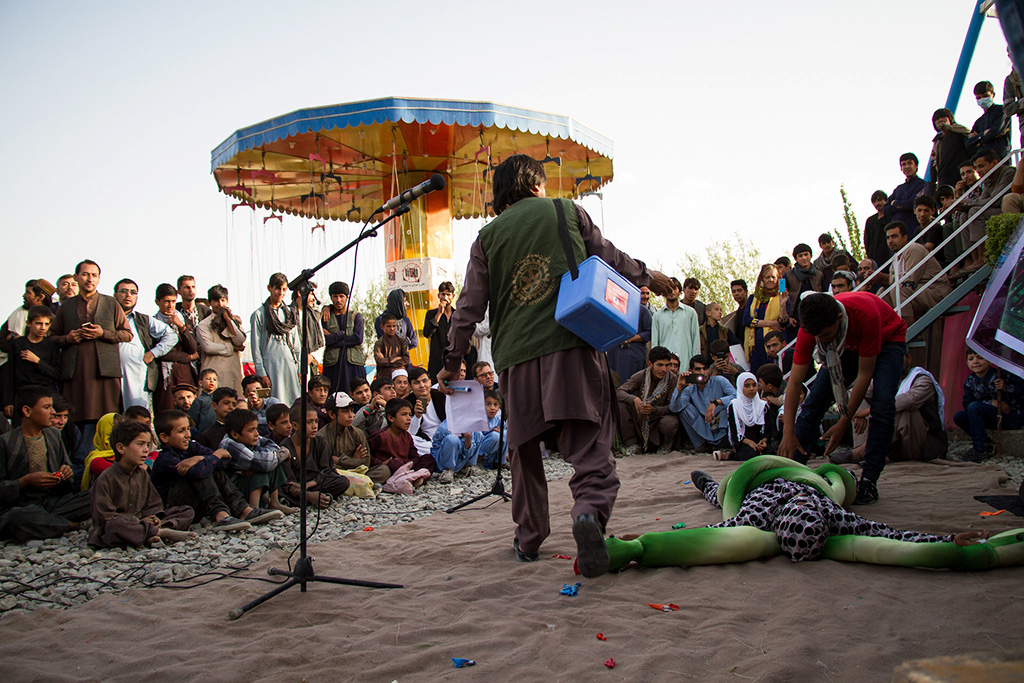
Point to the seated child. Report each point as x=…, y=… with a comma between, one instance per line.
x=257, y=403
x=461, y=452
x=321, y=474
x=201, y=409
x=70, y=434
x=424, y=415
x=391, y=351
x=36, y=496
x=102, y=455
x=750, y=426
x=254, y=459
x=33, y=360
x=359, y=390
x=400, y=378
x=126, y=508
x=770, y=382
x=370, y=418
x=393, y=446
x=982, y=404
x=347, y=444
x=188, y=473
x=224, y=401
x=317, y=389
x=280, y=422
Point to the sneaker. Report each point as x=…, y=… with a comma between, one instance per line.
x=700, y=480
x=867, y=492
x=968, y=454
x=262, y=515
x=523, y=556
x=471, y=471
x=447, y=476
x=631, y=450
x=591, y=551
x=843, y=457
x=230, y=523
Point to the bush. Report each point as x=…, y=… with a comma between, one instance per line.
x=999, y=228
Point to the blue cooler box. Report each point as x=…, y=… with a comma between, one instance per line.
x=600, y=306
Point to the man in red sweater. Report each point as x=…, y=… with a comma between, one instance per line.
x=850, y=327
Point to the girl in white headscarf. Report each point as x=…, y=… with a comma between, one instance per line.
x=749, y=428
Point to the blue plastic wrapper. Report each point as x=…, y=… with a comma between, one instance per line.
x=570, y=590
x=460, y=663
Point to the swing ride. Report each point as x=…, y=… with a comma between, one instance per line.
x=341, y=162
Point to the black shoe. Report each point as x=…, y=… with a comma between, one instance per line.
x=700, y=480
x=524, y=556
x=591, y=552
x=867, y=492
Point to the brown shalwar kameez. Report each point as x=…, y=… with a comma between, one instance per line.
x=568, y=388
x=121, y=500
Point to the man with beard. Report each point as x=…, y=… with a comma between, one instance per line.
x=675, y=327
x=190, y=310
x=151, y=339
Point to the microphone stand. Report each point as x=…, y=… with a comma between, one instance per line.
x=498, y=488
x=303, y=571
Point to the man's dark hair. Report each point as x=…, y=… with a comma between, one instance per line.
x=944, y=191
x=775, y=334
x=357, y=382
x=446, y=286
x=818, y=311
x=477, y=367
x=909, y=156
x=988, y=155
x=841, y=260
x=216, y=292
x=801, y=248
x=379, y=384
x=699, y=358
x=784, y=261
x=250, y=379
x=30, y=396
x=386, y=318
x=182, y=278
x=718, y=347
x=982, y=87
x=275, y=412
x=741, y=283
x=898, y=225
x=124, y=432
x=418, y=372
x=165, y=419
x=825, y=237
x=966, y=163
x=691, y=283
x=515, y=178
x=770, y=373
x=392, y=407
x=943, y=113
x=87, y=262
x=39, y=312
x=879, y=194
x=137, y=413
x=277, y=279
x=318, y=381
x=658, y=353
x=221, y=393
x=235, y=421
x=165, y=290
x=926, y=200
x=123, y=281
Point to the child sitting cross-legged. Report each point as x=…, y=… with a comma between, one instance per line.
x=750, y=424
x=394, y=446
x=188, y=473
x=459, y=453
x=279, y=422
x=126, y=508
x=347, y=444
x=255, y=459
x=321, y=474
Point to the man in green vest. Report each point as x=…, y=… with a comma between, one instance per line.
x=550, y=377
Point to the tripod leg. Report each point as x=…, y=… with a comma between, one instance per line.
x=239, y=611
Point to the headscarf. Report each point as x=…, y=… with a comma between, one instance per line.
x=746, y=412
x=396, y=304
x=101, y=446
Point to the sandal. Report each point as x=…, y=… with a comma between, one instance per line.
x=721, y=455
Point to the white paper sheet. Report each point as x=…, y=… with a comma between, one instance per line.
x=466, y=411
x=739, y=357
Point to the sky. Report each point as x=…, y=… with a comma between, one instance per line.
x=743, y=117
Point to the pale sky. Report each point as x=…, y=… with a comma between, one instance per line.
x=731, y=117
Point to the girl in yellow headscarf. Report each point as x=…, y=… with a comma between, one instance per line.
x=102, y=455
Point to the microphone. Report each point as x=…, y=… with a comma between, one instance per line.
x=436, y=182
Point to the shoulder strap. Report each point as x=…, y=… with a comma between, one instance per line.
x=563, y=230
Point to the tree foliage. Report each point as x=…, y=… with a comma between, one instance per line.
x=852, y=242
x=733, y=258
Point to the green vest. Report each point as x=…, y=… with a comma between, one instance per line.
x=355, y=355
x=525, y=263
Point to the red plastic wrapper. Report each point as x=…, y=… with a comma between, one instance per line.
x=600, y=636
x=664, y=608
x=610, y=663
x=562, y=557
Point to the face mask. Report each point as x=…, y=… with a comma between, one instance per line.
x=985, y=102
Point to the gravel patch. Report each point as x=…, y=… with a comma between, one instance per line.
x=59, y=573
